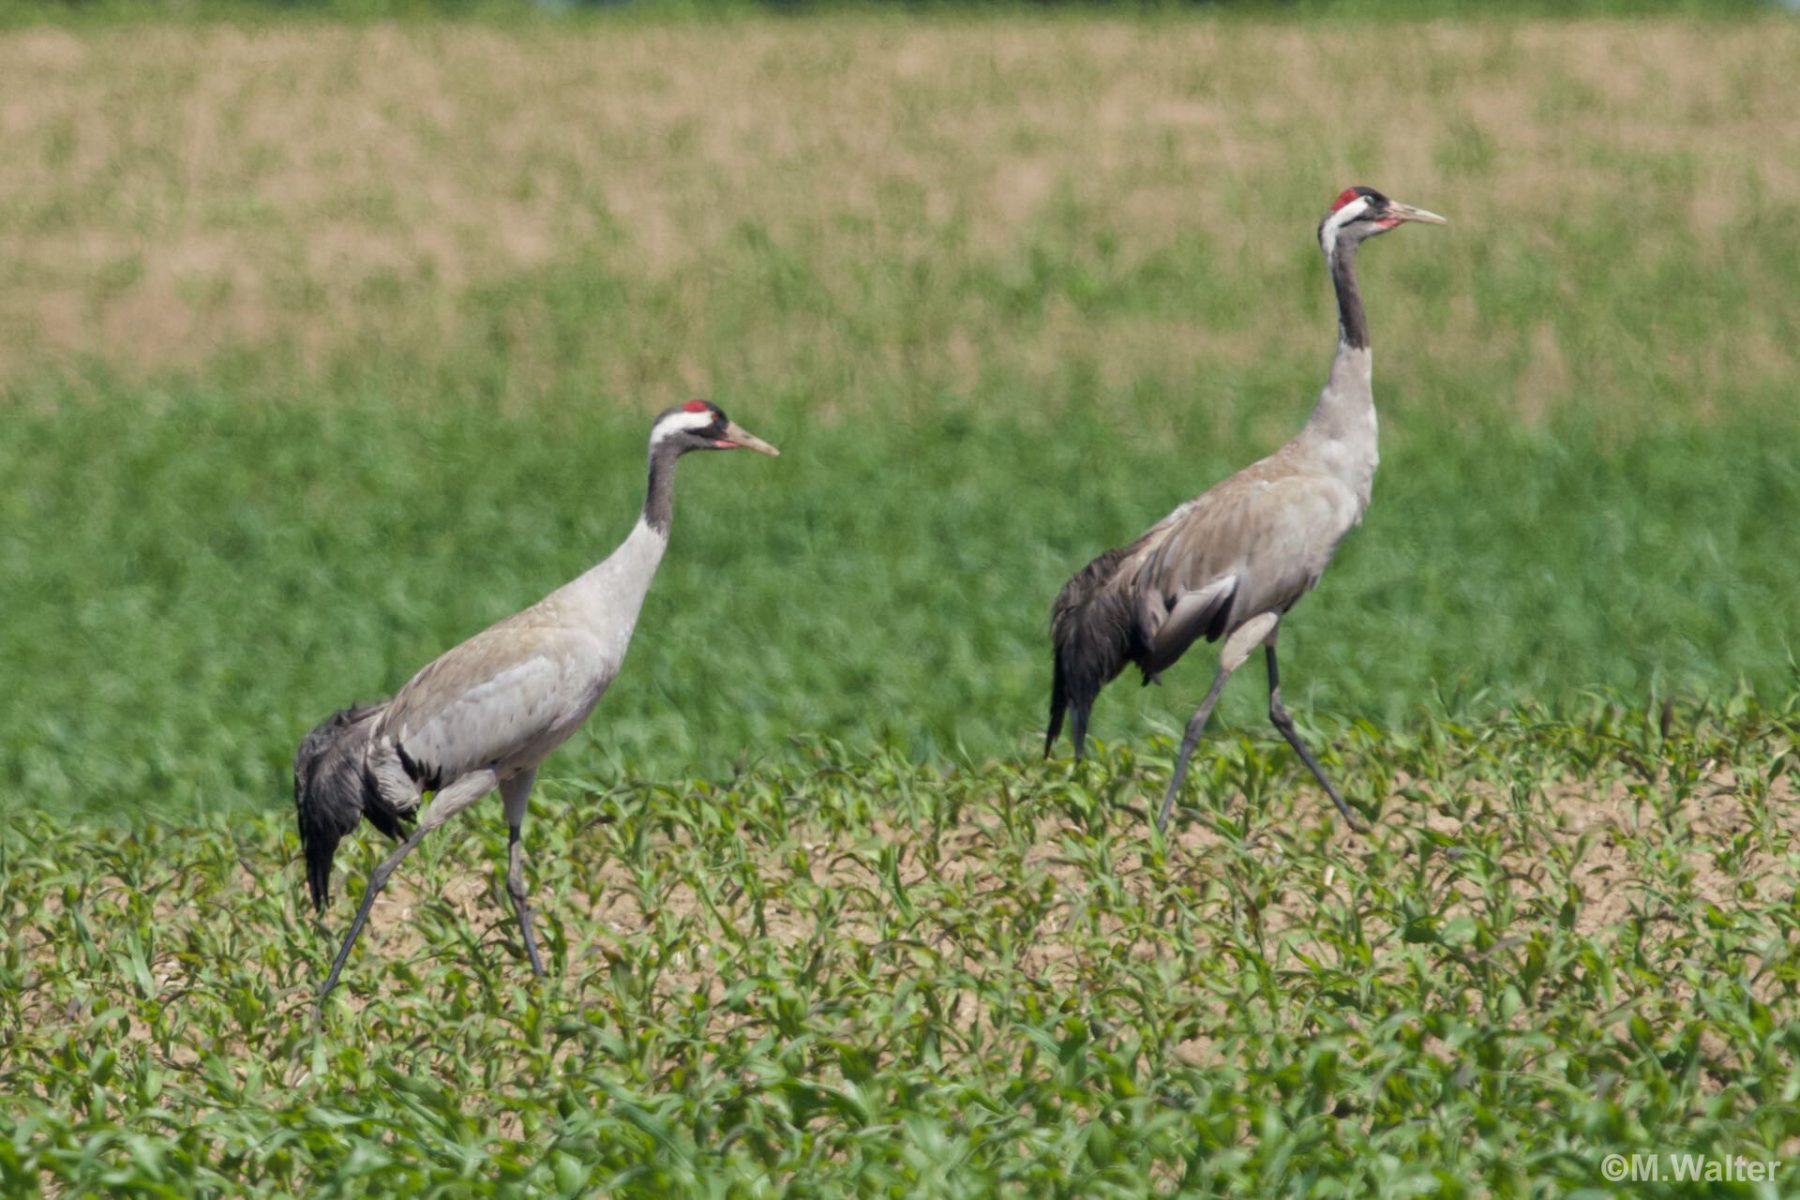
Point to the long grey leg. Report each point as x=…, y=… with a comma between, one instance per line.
x=1195, y=724
x=1278, y=713
x=444, y=805
x=1238, y=647
x=515, y=792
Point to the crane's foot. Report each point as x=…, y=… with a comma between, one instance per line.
x=1169, y=806
x=515, y=889
x=1350, y=818
x=1278, y=715
x=531, y=950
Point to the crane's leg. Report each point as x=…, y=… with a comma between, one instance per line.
x=1237, y=649
x=515, y=792
x=1278, y=713
x=1195, y=724
x=443, y=806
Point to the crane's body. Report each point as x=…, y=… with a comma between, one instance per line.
x=516, y=690
x=486, y=713
x=1231, y=562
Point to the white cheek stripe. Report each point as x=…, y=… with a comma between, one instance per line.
x=681, y=422
x=1341, y=218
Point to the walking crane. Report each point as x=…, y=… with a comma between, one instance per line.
x=1231, y=563
x=483, y=715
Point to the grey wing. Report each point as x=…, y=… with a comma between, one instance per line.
x=506, y=696
x=1252, y=547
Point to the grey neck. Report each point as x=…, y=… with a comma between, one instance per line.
x=1340, y=435
x=1353, y=327
x=659, y=501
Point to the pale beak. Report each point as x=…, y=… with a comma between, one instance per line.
x=1406, y=212
x=735, y=435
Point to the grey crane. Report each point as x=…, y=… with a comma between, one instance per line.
x=1230, y=563
x=485, y=714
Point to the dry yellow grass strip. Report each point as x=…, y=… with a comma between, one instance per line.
x=170, y=194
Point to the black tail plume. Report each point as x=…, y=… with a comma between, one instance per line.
x=333, y=790
x=1059, y=701
x=1092, y=636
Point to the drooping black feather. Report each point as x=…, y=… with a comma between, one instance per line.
x=1093, y=636
x=334, y=789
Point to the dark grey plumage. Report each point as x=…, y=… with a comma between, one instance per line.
x=1096, y=631
x=1094, y=637
x=334, y=789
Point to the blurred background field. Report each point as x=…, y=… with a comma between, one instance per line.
x=325, y=345
x=325, y=340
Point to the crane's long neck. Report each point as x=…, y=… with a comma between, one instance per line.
x=659, y=497
x=1341, y=433
x=609, y=595
x=1353, y=326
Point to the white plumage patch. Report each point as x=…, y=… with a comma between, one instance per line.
x=1328, y=232
x=681, y=422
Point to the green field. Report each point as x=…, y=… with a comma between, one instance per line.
x=326, y=346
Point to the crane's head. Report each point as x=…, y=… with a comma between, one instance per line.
x=702, y=425
x=1362, y=212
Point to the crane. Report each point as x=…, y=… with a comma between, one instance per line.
x=1231, y=562
x=483, y=715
